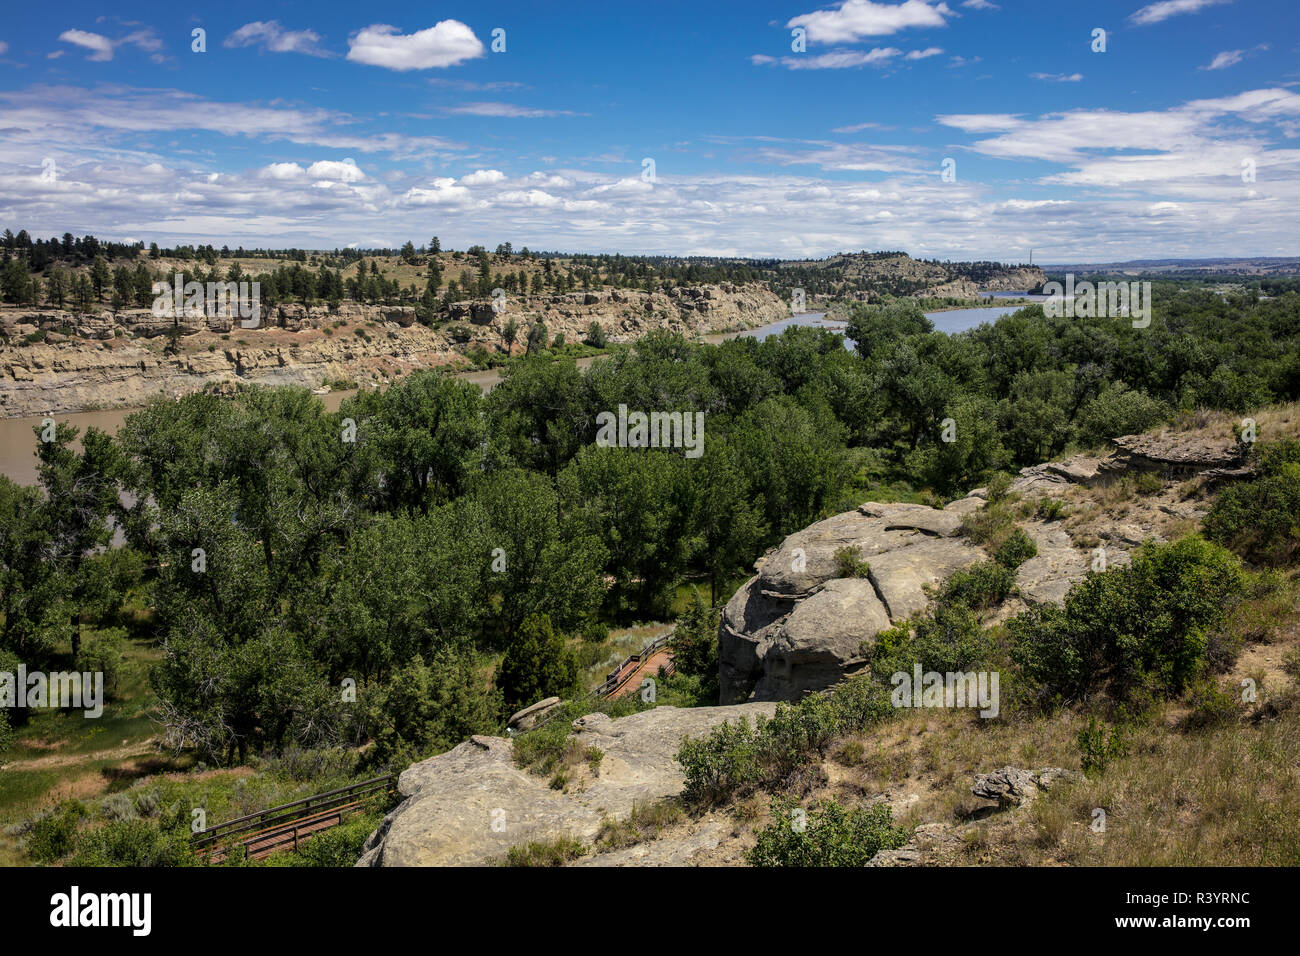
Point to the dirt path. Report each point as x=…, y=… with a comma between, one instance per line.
x=140, y=748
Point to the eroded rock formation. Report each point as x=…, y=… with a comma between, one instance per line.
x=468, y=806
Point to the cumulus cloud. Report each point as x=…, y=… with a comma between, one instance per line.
x=1057, y=77
x=924, y=54
x=854, y=19
x=343, y=172
x=1157, y=12
x=444, y=44
x=441, y=192
x=282, y=171
x=483, y=177
x=271, y=36
x=981, y=5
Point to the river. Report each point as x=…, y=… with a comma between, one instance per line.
x=18, y=440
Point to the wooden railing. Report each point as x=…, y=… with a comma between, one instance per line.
x=283, y=827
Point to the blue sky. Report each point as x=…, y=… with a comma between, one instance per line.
x=322, y=126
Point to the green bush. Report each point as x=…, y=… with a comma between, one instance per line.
x=1144, y=625
x=54, y=834
x=1260, y=519
x=1016, y=549
x=429, y=707
x=948, y=637
x=832, y=836
x=1097, y=749
x=1212, y=705
x=735, y=758
x=849, y=563
x=980, y=586
x=134, y=843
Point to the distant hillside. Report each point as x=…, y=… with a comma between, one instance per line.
x=1251, y=266
x=867, y=275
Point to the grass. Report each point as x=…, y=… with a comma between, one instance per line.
x=646, y=822
x=554, y=852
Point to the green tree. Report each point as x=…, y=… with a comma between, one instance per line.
x=537, y=664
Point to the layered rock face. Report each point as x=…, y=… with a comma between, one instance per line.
x=797, y=626
x=113, y=360
x=468, y=806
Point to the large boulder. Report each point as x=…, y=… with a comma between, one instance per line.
x=798, y=626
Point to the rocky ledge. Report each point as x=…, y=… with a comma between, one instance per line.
x=468, y=806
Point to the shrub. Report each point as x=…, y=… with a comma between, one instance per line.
x=594, y=632
x=1016, y=549
x=1212, y=705
x=832, y=836
x=1051, y=509
x=429, y=707
x=1144, y=625
x=980, y=586
x=736, y=758
x=849, y=563
x=1097, y=749
x=54, y=834
x=946, y=638
x=1260, y=519
x=695, y=645
x=998, y=487
x=134, y=843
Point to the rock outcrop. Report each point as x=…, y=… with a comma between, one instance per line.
x=797, y=626
x=468, y=806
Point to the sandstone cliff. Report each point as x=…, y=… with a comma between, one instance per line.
x=108, y=360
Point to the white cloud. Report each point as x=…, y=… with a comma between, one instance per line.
x=1156, y=12
x=508, y=110
x=1057, y=77
x=282, y=171
x=854, y=19
x=444, y=44
x=442, y=192
x=4, y=48
x=101, y=47
x=530, y=197
x=1226, y=59
x=483, y=177
x=833, y=60
x=981, y=5
x=270, y=35
x=924, y=54
x=344, y=172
